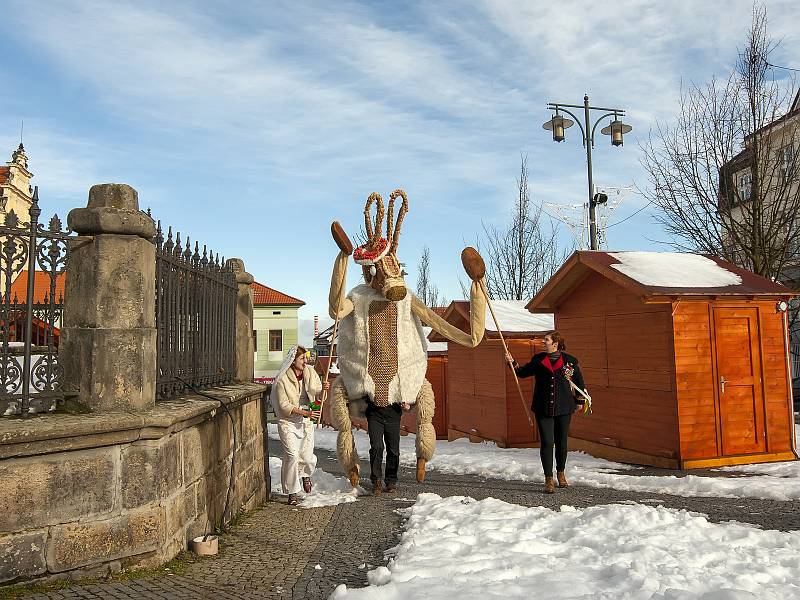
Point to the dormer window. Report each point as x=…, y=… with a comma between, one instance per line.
x=744, y=187
x=786, y=162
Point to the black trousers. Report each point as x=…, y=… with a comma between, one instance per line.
x=553, y=431
x=383, y=425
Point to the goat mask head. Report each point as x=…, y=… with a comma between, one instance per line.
x=378, y=256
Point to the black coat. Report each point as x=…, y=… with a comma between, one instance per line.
x=552, y=395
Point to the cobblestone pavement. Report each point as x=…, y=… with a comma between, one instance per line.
x=289, y=553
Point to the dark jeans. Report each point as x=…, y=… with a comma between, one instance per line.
x=553, y=431
x=383, y=425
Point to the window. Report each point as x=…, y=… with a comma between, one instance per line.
x=275, y=340
x=255, y=341
x=744, y=187
x=786, y=162
x=276, y=312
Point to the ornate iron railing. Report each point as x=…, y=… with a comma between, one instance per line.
x=195, y=316
x=29, y=326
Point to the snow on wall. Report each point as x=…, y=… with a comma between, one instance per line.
x=673, y=269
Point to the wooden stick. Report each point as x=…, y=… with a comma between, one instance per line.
x=330, y=356
x=505, y=349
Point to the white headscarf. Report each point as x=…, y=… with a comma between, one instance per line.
x=287, y=362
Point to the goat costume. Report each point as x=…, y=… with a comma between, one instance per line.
x=382, y=351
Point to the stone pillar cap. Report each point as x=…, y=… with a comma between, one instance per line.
x=112, y=208
x=242, y=276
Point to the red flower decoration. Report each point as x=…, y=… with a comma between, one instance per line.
x=367, y=254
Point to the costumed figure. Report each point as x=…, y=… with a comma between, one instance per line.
x=294, y=393
x=382, y=351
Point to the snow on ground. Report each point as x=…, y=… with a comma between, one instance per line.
x=328, y=490
x=523, y=464
x=673, y=269
x=459, y=547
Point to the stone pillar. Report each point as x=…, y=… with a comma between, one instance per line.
x=244, y=322
x=108, y=335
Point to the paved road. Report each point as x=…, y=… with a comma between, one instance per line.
x=285, y=552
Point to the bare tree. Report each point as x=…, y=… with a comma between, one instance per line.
x=725, y=176
x=427, y=291
x=522, y=256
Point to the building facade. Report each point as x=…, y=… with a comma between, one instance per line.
x=275, y=329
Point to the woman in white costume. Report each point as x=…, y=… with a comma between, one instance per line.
x=292, y=392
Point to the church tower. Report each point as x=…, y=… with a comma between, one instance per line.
x=15, y=185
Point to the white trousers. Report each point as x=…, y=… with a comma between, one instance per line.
x=299, y=460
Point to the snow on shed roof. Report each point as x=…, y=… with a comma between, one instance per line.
x=514, y=319
x=656, y=277
x=674, y=269
x=433, y=346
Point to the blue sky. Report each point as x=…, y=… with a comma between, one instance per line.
x=252, y=125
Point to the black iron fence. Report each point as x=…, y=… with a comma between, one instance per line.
x=32, y=269
x=195, y=316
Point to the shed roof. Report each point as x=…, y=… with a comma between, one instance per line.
x=516, y=322
x=656, y=275
x=266, y=296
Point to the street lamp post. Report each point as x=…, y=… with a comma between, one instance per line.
x=616, y=129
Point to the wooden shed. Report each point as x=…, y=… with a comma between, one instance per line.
x=685, y=356
x=482, y=399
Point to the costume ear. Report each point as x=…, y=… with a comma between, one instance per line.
x=341, y=238
x=394, y=236
x=373, y=235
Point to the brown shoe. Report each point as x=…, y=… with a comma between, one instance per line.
x=421, y=462
x=293, y=500
x=391, y=487
x=562, y=480
x=549, y=485
x=353, y=476
x=376, y=488
x=307, y=485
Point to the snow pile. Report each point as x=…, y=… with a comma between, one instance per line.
x=458, y=547
x=328, y=489
x=673, y=269
x=461, y=457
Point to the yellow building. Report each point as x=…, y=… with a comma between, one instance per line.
x=15, y=185
x=15, y=193
x=274, y=329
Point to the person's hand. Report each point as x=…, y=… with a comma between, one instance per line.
x=405, y=406
x=509, y=358
x=315, y=415
x=326, y=385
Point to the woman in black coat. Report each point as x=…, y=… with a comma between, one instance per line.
x=554, y=401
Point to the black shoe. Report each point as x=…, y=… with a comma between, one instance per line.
x=293, y=500
x=391, y=487
x=376, y=488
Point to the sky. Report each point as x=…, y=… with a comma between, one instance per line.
x=251, y=126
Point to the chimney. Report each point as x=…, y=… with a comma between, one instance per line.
x=316, y=326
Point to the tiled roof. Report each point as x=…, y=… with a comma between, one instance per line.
x=41, y=286
x=263, y=295
x=3, y=175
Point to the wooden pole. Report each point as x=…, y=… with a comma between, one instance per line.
x=505, y=350
x=330, y=356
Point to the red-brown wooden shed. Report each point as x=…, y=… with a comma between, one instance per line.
x=685, y=356
x=482, y=399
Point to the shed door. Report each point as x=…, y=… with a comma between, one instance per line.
x=741, y=401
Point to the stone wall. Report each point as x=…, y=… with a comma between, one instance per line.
x=91, y=494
